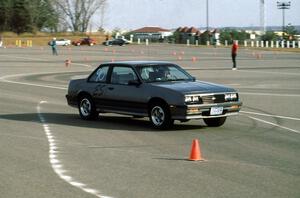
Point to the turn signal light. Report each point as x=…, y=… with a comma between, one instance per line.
x=193, y=110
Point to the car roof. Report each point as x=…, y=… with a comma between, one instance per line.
x=138, y=63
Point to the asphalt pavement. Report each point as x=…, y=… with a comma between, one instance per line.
x=46, y=150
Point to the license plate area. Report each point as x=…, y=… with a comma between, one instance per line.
x=216, y=111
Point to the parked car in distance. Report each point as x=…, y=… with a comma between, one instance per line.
x=84, y=41
x=162, y=91
x=61, y=42
x=118, y=41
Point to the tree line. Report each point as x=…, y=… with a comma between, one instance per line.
x=21, y=16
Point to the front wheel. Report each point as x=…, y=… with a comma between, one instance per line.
x=215, y=122
x=86, y=107
x=160, y=116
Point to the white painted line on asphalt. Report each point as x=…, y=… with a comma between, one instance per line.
x=25, y=58
x=270, y=115
x=40, y=59
x=277, y=73
x=269, y=94
x=56, y=164
x=4, y=79
x=32, y=84
x=273, y=124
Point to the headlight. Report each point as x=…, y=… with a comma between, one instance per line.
x=191, y=99
x=231, y=96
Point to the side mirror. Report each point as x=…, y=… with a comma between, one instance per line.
x=134, y=82
x=194, y=78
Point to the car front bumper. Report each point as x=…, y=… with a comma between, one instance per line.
x=200, y=111
x=71, y=101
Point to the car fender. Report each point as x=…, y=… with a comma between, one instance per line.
x=171, y=97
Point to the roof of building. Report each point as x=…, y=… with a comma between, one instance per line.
x=151, y=30
x=191, y=30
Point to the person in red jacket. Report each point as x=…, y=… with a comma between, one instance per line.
x=233, y=54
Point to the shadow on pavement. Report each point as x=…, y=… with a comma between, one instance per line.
x=103, y=122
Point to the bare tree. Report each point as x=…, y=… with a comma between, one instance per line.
x=78, y=13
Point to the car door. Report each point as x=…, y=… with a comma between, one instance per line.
x=126, y=97
x=98, y=86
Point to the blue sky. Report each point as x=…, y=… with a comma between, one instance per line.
x=132, y=14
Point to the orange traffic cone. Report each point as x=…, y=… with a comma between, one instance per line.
x=195, y=151
x=67, y=62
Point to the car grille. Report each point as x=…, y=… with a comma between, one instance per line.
x=210, y=99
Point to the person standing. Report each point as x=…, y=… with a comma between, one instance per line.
x=53, y=46
x=1, y=40
x=234, y=54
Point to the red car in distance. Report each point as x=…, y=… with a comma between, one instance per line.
x=84, y=41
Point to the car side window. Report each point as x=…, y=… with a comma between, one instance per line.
x=100, y=75
x=122, y=75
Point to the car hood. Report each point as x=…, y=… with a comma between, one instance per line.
x=193, y=87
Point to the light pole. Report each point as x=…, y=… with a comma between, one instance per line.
x=207, y=16
x=283, y=6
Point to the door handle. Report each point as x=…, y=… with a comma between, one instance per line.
x=110, y=88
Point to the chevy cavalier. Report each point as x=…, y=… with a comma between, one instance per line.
x=162, y=91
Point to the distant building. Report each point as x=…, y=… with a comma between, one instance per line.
x=187, y=33
x=193, y=34
x=151, y=33
x=216, y=36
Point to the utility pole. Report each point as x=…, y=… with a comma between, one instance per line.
x=283, y=6
x=262, y=16
x=207, y=16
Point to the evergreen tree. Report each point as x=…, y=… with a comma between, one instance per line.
x=21, y=21
x=5, y=15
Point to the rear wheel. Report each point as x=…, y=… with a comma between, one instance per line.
x=86, y=107
x=160, y=116
x=215, y=122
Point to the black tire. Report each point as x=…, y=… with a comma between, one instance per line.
x=215, y=122
x=86, y=107
x=160, y=116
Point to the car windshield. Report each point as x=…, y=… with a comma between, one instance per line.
x=163, y=73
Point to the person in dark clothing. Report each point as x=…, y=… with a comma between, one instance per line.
x=53, y=46
x=233, y=54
